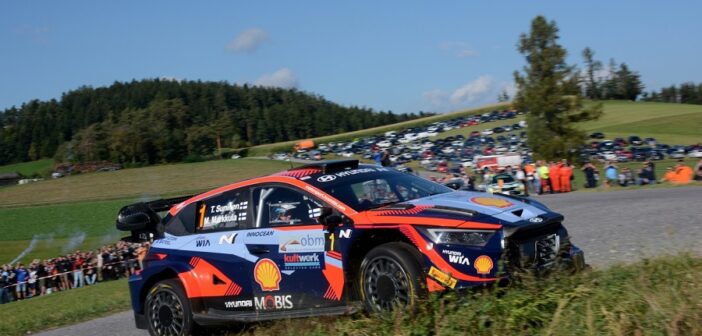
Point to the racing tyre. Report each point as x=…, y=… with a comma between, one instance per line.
x=168, y=310
x=391, y=277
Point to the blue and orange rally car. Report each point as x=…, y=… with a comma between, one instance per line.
x=319, y=239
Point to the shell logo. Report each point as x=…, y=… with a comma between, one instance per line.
x=483, y=264
x=492, y=201
x=267, y=275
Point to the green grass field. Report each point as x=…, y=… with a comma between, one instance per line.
x=64, y=308
x=39, y=167
x=668, y=123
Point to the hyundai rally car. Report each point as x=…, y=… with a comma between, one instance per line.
x=322, y=238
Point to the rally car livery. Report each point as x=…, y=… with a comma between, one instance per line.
x=319, y=239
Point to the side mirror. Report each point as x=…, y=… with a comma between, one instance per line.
x=333, y=221
x=328, y=218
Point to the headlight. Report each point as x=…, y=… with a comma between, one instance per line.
x=477, y=238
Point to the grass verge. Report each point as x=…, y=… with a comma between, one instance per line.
x=64, y=308
x=652, y=297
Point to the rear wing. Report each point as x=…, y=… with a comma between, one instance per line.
x=142, y=219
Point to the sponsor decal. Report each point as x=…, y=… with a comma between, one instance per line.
x=269, y=302
x=326, y=178
x=265, y=233
x=238, y=304
x=227, y=238
x=492, y=202
x=267, y=275
x=296, y=243
x=483, y=264
x=345, y=173
x=325, y=197
x=456, y=257
x=202, y=242
x=296, y=261
x=346, y=233
x=536, y=219
x=442, y=277
x=165, y=241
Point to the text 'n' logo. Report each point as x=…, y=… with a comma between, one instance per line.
x=228, y=239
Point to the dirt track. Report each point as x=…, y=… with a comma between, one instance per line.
x=611, y=227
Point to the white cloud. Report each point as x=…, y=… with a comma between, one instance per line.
x=248, y=41
x=479, y=91
x=283, y=78
x=472, y=91
x=458, y=49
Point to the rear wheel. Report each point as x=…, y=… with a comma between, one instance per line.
x=168, y=310
x=390, y=277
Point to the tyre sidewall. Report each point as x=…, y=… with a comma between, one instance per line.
x=408, y=260
x=176, y=288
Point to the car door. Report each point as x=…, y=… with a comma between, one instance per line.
x=219, y=259
x=296, y=267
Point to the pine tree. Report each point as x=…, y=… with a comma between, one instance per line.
x=592, y=84
x=543, y=91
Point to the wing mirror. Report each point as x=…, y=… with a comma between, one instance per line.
x=329, y=218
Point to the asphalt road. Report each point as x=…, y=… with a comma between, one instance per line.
x=611, y=227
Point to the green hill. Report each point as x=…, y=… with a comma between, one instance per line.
x=57, y=212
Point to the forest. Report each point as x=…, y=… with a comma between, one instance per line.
x=157, y=121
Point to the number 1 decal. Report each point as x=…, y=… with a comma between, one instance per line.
x=331, y=239
x=201, y=221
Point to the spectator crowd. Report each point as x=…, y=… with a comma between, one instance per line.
x=552, y=177
x=74, y=270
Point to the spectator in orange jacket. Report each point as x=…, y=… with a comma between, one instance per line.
x=554, y=172
x=566, y=172
x=683, y=173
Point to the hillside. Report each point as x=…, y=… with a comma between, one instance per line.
x=80, y=209
x=156, y=121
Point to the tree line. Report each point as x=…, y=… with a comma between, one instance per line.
x=153, y=120
x=686, y=93
x=616, y=81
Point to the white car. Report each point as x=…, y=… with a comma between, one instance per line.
x=404, y=140
x=695, y=154
x=346, y=154
x=384, y=144
x=487, y=131
x=609, y=156
x=457, y=143
x=280, y=156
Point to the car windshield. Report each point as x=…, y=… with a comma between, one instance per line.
x=506, y=178
x=367, y=188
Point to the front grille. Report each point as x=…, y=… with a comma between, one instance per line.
x=535, y=249
x=546, y=250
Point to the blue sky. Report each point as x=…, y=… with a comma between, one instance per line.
x=403, y=56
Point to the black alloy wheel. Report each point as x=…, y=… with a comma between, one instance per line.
x=168, y=310
x=391, y=278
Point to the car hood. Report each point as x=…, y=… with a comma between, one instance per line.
x=467, y=206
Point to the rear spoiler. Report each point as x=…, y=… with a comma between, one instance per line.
x=142, y=219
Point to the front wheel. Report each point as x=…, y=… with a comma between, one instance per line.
x=390, y=277
x=168, y=310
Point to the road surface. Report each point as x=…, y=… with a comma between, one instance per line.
x=611, y=227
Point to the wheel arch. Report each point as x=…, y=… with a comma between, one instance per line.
x=369, y=240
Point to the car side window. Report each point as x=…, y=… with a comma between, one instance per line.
x=228, y=210
x=280, y=206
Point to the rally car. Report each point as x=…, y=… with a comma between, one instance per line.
x=327, y=239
